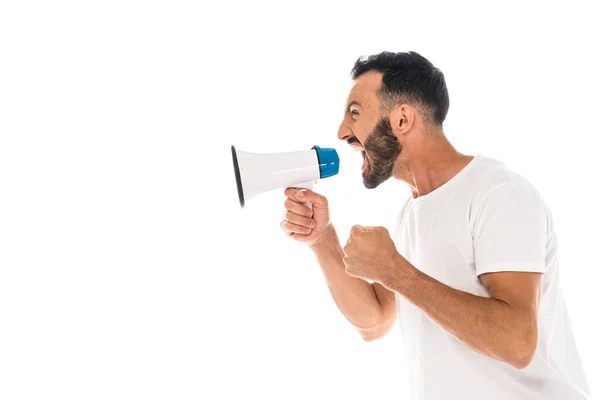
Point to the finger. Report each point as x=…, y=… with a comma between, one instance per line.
x=351, y=272
x=348, y=266
x=356, y=229
x=317, y=200
x=297, y=208
x=346, y=260
x=289, y=228
x=348, y=248
x=300, y=220
x=291, y=193
x=382, y=229
x=300, y=237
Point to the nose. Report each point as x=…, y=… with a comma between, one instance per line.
x=344, y=131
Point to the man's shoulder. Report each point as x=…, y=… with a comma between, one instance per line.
x=497, y=186
x=493, y=176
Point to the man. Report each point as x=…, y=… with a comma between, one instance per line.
x=471, y=271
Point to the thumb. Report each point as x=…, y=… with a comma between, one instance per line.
x=316, y=199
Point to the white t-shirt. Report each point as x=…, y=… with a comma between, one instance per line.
x=487, y=218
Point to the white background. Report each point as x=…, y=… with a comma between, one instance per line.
x=128, y=269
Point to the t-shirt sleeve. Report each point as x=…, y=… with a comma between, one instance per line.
x=510, y=233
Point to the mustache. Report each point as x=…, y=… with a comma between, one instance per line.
x=354, y=139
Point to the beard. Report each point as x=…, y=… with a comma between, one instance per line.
x=381, y=151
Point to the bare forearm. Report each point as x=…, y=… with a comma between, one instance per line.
x=356, y=298
x=487, y=325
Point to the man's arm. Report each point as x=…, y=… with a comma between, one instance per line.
x=510, y=234
x=503, y=326
x=371, y=308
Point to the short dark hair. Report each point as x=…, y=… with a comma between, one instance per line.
x=408, y=78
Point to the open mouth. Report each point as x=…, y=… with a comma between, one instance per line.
x=362, y=153
x=356, y=146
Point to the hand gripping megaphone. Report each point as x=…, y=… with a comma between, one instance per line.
x=257, y=173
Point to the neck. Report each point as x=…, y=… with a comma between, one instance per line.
x=427, y=168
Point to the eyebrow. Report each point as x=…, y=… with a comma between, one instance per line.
x=352, y=103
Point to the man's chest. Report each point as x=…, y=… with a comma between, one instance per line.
x=439, y=242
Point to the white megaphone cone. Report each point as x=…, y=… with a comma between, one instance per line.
x=257, y=173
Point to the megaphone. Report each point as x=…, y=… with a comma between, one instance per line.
x=257, y=173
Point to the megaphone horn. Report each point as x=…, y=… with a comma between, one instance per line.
x=257, y=173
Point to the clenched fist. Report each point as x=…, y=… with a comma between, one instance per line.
x=371, y=254
x=301, y=222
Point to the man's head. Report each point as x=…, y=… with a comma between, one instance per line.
x=395, y=97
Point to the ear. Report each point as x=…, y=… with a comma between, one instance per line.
x=402, y=119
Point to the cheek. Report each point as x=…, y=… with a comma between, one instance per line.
x=362, y=130
x=361, y=137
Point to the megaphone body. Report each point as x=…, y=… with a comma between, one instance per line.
x=257, y=173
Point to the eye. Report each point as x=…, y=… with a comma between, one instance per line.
x=354, y=113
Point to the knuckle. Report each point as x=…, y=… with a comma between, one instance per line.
x=304, y=221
